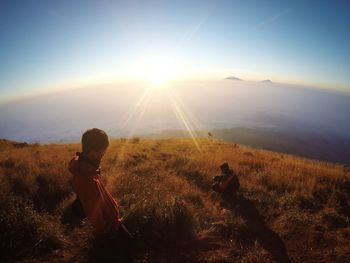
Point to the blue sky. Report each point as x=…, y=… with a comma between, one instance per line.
x=47, y=45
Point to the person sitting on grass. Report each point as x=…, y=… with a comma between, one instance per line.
x=111, y=238
x=227, y=183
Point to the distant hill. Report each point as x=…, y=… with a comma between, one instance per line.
x=233, y=78
x=313, y=146
x=331, y=149
x=285, y=206
x=266, y=81
x=8, y=144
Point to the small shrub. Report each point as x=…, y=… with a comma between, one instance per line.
x=135, y=140
x=194, y=199
x=23, y=186
x=24, y=231
x=19, y=176
x=256, y=254
x=171, y=224
x=334, y=220
x=51, y=191
x=197, y=178
x=257, y=167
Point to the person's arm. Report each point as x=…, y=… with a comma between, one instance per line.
x=217, y=178
x=90, y=198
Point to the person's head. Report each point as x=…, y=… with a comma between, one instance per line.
x=225, y=168
x=95, y=143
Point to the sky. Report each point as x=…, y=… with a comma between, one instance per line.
x=53, y=45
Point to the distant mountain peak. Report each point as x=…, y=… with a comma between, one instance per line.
x=233, y=78
x=266, y=81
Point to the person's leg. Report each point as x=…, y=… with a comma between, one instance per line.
x=124, y=242
x=100, y=250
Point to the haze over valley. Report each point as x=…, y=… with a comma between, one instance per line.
x=270, y=114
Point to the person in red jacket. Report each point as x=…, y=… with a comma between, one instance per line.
x=227, y=183
x=100, y=208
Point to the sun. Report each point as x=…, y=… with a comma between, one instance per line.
x=158, y=69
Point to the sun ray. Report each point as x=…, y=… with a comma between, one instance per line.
x=140, y=106
x=133, y=110
x=179, y=113
x=196, y=124
x=143, y=107
x=135, y=115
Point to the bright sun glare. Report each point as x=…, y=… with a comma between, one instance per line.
x=158, y=69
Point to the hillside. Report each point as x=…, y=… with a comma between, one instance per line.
x=288, y=208
x=308, y=145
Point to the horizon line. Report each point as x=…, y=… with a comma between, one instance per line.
x=46, y=92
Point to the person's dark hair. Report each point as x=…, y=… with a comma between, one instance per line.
x=224, y=167
x=94, y=139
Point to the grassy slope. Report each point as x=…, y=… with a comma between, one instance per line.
x=164, y=188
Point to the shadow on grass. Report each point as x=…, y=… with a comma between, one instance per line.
x=256, y=225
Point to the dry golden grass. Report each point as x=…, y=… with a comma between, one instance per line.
x=164, y=187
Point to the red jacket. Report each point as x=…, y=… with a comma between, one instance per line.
x=99, y=206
